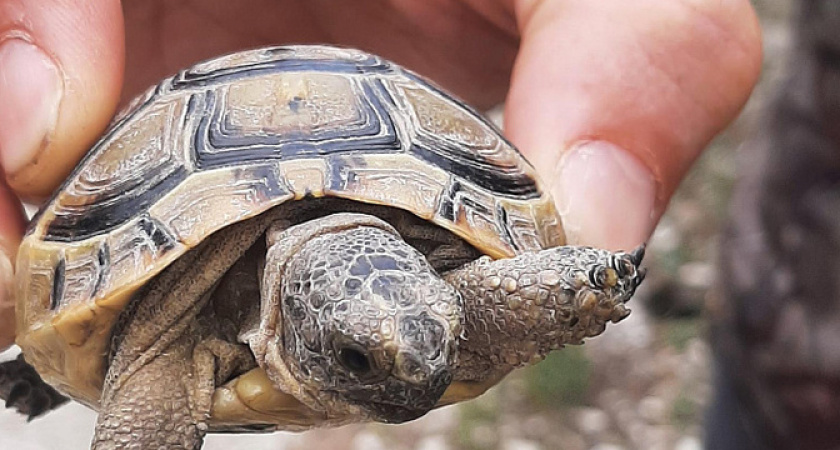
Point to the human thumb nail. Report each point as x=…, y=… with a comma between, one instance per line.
x=30, y=93
x=605, y=196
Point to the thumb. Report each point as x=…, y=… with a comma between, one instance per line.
x=61, y=65
x=613, y=100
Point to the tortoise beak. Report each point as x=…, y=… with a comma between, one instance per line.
x=397, y=401
x=396, y=414
x=416, y=402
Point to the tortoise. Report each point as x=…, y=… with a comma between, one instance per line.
x=294, y=237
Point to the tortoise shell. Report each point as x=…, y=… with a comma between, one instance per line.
x=232, y=137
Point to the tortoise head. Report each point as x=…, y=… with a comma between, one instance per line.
x=365, y=326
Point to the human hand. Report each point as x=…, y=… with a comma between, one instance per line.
x=611, y=100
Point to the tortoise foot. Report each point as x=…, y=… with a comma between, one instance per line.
x=23, y=389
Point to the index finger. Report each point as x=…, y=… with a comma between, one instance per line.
x=613, y=100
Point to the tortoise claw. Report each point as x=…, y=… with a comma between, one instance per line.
x=640, y=276
x=19, y=390
x=23, y=389
x=638, y=254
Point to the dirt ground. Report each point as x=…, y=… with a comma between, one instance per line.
x=643, y=385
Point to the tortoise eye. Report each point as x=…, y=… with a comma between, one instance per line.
x=354, y=360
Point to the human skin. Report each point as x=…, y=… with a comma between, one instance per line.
x=611, y=100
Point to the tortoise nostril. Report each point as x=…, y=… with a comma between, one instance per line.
x=354, y=360
x=411, y=368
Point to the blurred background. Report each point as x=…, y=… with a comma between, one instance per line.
x=644, y=384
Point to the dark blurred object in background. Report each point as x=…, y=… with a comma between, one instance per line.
x=776, y=319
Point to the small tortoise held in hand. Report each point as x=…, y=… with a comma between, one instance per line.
x=296, y=237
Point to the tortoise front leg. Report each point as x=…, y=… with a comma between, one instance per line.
x=164, y=369
x=166, y=402
x=517, y=310
x=158, y=406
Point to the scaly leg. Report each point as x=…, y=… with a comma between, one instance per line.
x=166, y=402
x=216, y=361
x=517, y=310
x=154, y=407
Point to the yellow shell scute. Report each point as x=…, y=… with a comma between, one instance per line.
x=286, y=103
x=394, y=179
x=33, y=275
x=147, y=144
x=75, y=325
x=207, y=202
x=305, y=177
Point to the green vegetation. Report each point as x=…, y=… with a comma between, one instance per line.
x=562, y=380
x=679, y=332
x=482, y=412
x=684, y=412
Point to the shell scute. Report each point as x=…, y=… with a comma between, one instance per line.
x=343, y=117
x=396, y=180
x=231, y=68
x=209, y=200
x=129, y=170
x=449, y=135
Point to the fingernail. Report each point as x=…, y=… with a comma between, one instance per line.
x=30, y=92
x=7, y=304
x=605, y=196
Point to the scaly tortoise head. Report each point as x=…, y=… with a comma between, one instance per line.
x=358, y=321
